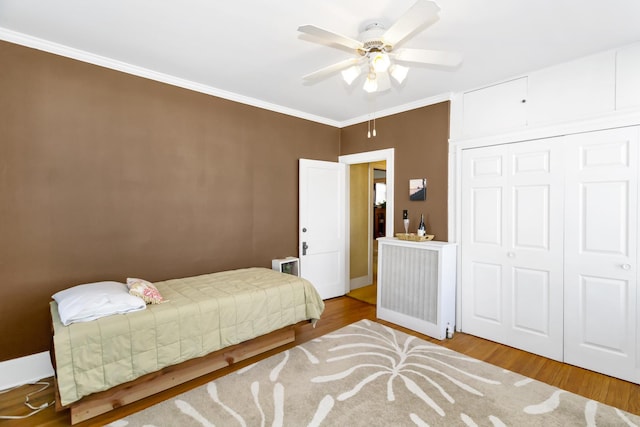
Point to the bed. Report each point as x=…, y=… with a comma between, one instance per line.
x=208, y=322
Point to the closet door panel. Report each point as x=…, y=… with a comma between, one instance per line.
x=487, y=216
x=483, y=268
x=495, y=108
x=531, y=217
x=601, y=253
x=605, y=231
x=488, y=290
x=628, y=77
x=531, y=301
x=610, y=296
x=535, y=247
x=511, y=259
x=573, y=90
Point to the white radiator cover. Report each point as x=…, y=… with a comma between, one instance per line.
x=416, y=285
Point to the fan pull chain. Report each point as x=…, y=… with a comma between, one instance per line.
x=369, y=131
x=372, y=114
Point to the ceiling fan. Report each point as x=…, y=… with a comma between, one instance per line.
x=375, y=51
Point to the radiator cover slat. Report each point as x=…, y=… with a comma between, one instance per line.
x=413, y=278
x=416, y=285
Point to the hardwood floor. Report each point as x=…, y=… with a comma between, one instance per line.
x=343, y=311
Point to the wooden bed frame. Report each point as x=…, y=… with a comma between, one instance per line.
x=155, y=382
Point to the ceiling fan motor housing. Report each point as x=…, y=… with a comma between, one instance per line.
x=372, y=40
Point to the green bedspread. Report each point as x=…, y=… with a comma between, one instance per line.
x=204, y=314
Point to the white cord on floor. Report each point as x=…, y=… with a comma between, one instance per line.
x=34, y=409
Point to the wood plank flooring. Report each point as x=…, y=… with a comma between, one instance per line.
x=343, y=311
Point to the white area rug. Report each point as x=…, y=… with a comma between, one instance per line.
x=367, y=374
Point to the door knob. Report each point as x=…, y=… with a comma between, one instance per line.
x=626, y=266
x=511, y=254
x=304, y=248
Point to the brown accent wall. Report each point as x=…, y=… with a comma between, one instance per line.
x=420, y=138
x=105, y=176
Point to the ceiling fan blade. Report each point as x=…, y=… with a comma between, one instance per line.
x=432, y=57
x=423, y=13
x=330, y=36
x=331, y=69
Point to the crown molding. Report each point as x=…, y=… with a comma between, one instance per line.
x=102, y=61
x=399, y=109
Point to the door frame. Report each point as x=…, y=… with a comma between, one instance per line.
x=388, y=155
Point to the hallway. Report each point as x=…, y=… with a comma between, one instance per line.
x=369, y=293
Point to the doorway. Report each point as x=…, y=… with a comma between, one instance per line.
x=368, y=218
x=379, y=189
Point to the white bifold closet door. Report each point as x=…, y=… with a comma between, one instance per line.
x=512, y=245
x=601, y=243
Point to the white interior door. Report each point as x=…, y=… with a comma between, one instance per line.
x=512, y=245
x=322, y=232
x=601, y=323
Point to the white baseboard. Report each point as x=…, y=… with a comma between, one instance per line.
x=360, y=282
x=24, y=370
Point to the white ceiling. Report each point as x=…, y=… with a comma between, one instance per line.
x=251, y=51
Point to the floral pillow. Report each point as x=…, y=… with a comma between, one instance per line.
x=145, y=290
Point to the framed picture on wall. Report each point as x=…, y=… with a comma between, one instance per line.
x=418, y=189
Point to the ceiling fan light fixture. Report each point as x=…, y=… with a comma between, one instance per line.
x=398, y=72
x=370, y=84
x=351, y=73
x=379, y=61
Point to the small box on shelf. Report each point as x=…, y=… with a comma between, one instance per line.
x=288, y=265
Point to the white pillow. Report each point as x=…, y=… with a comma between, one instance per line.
x=91, y=301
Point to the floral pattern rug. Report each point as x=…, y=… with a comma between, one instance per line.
x=367, y=374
